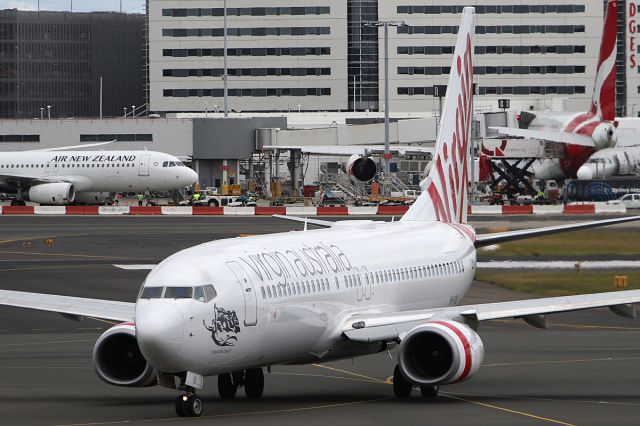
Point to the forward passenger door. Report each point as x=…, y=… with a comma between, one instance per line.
x=248, y=292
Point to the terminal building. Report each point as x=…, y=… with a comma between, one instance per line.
x=51, y=63
x=299, y=73
x=326, y=56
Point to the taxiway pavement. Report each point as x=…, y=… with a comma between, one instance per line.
x=584, y=370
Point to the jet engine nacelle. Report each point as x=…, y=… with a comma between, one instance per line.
x=605, y=136
x=440, y=352
x=58, y=193
x=118, y=361
x=361, y=168
x=92, y=197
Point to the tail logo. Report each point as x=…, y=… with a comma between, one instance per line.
x=448, y=188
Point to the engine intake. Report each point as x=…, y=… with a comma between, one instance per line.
x=118, y=361
x=362, y=168
x=58, y=193
x=605, y=136
x=439, y=353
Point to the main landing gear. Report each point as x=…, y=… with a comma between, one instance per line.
x=402, y=388
x=252, y=380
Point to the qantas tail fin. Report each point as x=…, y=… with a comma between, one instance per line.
x=444, y=196
x=603, y=102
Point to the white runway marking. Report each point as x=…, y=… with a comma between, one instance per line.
x=561, y=264
x=142, y=267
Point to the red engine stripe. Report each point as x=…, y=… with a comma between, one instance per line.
x=465, y=344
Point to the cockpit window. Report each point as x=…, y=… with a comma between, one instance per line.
x=165, y=164
x=198, y=294
x=172, y=164
x=210, y=292
x=180, y=164
x=202, y=293
x=178, y=293
x=151, y=293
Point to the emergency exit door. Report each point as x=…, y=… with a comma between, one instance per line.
x=248, y=292
x=143, y=170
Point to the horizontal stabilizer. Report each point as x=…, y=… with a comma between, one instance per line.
x=560, y=137
x=348, y=150
x=317, y=222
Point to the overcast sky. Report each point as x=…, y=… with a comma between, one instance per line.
x=136, y=6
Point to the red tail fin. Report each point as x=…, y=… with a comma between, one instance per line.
x=603, y=103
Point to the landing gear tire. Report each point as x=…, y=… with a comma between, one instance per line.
x=227, y=388
x=254, y=383
x=401, y=388
x=181, y=408
x=194, y=406
x=213, y=203
x=189, y=406
x=429, y=392
x=18, y=203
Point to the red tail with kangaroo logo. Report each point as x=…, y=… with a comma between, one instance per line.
x=444, y=196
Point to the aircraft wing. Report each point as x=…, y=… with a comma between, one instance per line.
x=346, y=150
x=560, y=137
x=26, y=181
x=503, y=237
x=64, y=148
x=367, y=328
x=70, y=306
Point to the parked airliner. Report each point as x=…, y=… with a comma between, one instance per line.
x=581, y=133
x=233, y=307
x=58, y=176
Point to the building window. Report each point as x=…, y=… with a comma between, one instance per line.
x=250, y=51
x=505, y=90
x=517, y=70
x=494, y=50
x=245, y=32
x=261, y=92
x=246, y=72
x=19, y=138
x=494, y=9
x=494, y=29
x=246, y=11
x=117, y=137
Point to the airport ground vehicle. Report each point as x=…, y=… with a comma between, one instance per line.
x=631, y=201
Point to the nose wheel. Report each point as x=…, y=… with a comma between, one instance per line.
x=189, y=405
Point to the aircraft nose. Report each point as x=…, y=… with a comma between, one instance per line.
x=160, y=331
x=584, y=173
x=190, y=177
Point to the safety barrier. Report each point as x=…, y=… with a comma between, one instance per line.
x=299, y=211
x=580, y=209
x=517, y=209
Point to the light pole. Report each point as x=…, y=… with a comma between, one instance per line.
x=49, y=112
x=41, y=113
x=299, y=108
x=125, y=112
x=387, y=154
x=133, y=111
x=225, y=75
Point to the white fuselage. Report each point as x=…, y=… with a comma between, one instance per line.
x=611, y=162
x=98, y=171
x=291, y=293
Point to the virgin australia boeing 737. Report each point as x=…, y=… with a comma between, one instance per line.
x=57, y=176
x=232, y=307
